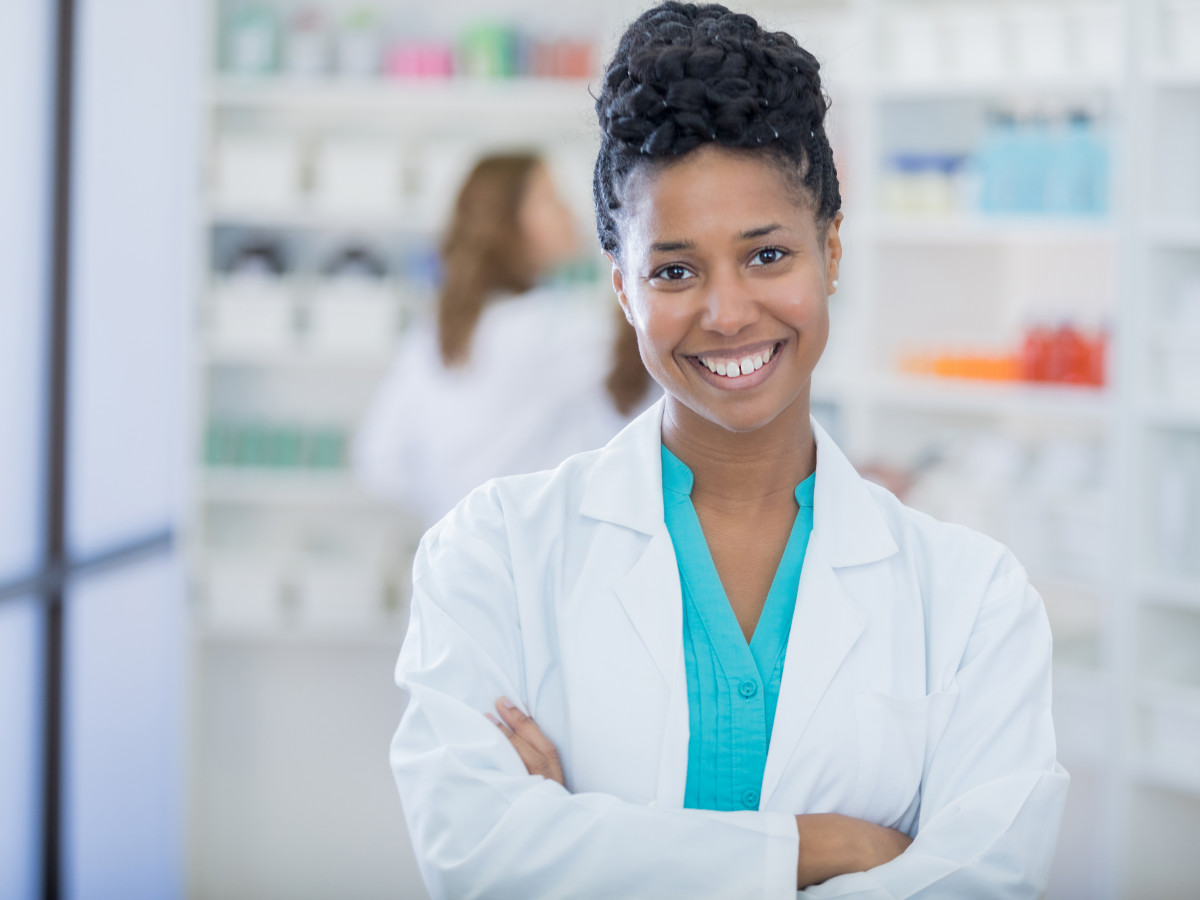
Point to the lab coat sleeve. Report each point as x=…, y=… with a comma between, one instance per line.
x=482, y=826
x=992, y=795
x=382, y=446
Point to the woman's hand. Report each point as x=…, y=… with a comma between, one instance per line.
x=536, y=751
x=832, y=844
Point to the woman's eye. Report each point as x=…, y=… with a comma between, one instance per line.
x=672, y=273
x=766, y=256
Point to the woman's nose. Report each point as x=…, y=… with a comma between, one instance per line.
x=729, y=304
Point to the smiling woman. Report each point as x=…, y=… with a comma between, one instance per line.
x=736, y=669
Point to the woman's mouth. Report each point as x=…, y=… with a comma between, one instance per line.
x=737, y=370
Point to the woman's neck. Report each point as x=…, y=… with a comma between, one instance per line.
x=742, y=471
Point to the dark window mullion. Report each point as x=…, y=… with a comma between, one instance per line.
x=55, y=503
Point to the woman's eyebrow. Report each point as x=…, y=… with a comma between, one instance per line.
x=676, y=246
x=672, y=246
x=759, y=232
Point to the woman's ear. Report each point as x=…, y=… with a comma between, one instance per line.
x=618, y=283
x=833, y=252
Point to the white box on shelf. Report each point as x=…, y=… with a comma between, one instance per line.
x=243, y=591
x=913, y=42
x=348, y=315
x=975, y=45
x=1082, y=718
x=258, y=171
x=1172, y=728
x=252, y=313
x=1097, y=28
x=1181, y=366
x=1039, y=38
x=1181, y=33
x=346, y=593
x=1082, y=531
x=358, y=174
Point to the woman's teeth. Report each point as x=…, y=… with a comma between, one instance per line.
x=732, y=368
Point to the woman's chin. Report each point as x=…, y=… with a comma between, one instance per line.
x=744, y=415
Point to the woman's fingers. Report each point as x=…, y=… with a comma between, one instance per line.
x=535, y=749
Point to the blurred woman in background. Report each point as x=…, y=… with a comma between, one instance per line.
x=512, y=377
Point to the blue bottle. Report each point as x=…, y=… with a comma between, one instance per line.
x=995, y=166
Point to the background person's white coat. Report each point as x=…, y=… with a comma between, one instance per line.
x=530, y=394
x=915, y=694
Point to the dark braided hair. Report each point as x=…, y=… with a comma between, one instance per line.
x=685, y=75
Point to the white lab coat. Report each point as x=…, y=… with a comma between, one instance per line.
x=915, y=694
x=530, y=394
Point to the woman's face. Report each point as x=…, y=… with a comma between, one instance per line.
x=722, y=267
x=545, y=222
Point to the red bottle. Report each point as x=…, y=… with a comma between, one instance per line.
x=1035, y=352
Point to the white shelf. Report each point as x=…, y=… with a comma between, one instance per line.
x=1081, y=681
x=386, y=634
x=1171, y=414
x=949, y=85
x=270, y=487
x=303, y=216
x=1179, y=591
x=1184, y=233
x=1153, y=774
x=1068, y=583
x=1174, y=713
x=1081, y=704
x=1169, y=77
x=448, y=99
x=965, y=395
x=296, y=358
x=998, y=229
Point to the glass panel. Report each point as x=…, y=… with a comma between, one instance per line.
x=135, y=179
x=20, y=748
x=124, y=733
x=25, y=104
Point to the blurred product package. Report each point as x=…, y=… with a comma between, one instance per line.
x=356, y=41
x=357, y=174
x=253, y=305
x=1033, y=164
x=982, y=40
x=355, y=306
x=1179, y=345
x=259, y=170
x=1062, y=353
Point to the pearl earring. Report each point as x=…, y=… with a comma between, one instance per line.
x=835, y=284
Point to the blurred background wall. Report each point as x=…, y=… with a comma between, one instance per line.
x=200, y=606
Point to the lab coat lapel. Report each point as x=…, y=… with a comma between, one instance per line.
x=848, y=530
x=625, y=489
x=825, y=626
x=651, y=596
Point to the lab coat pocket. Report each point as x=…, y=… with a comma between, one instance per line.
x=895, y=738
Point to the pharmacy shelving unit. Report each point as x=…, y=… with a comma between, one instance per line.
x=287, y=703
x=1159, y=645
x=959, y=276
x=299, y=578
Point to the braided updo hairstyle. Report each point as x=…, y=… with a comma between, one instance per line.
x=685, y=75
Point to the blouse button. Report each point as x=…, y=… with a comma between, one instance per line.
x=750, y=798
x=748, y=689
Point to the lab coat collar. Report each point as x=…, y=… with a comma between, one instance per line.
x=625, y=488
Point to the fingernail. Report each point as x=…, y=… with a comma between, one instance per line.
x=506, y=703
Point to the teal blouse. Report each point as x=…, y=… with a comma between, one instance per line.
x=733, y=687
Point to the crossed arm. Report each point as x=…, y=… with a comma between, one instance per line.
x=833, y=844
